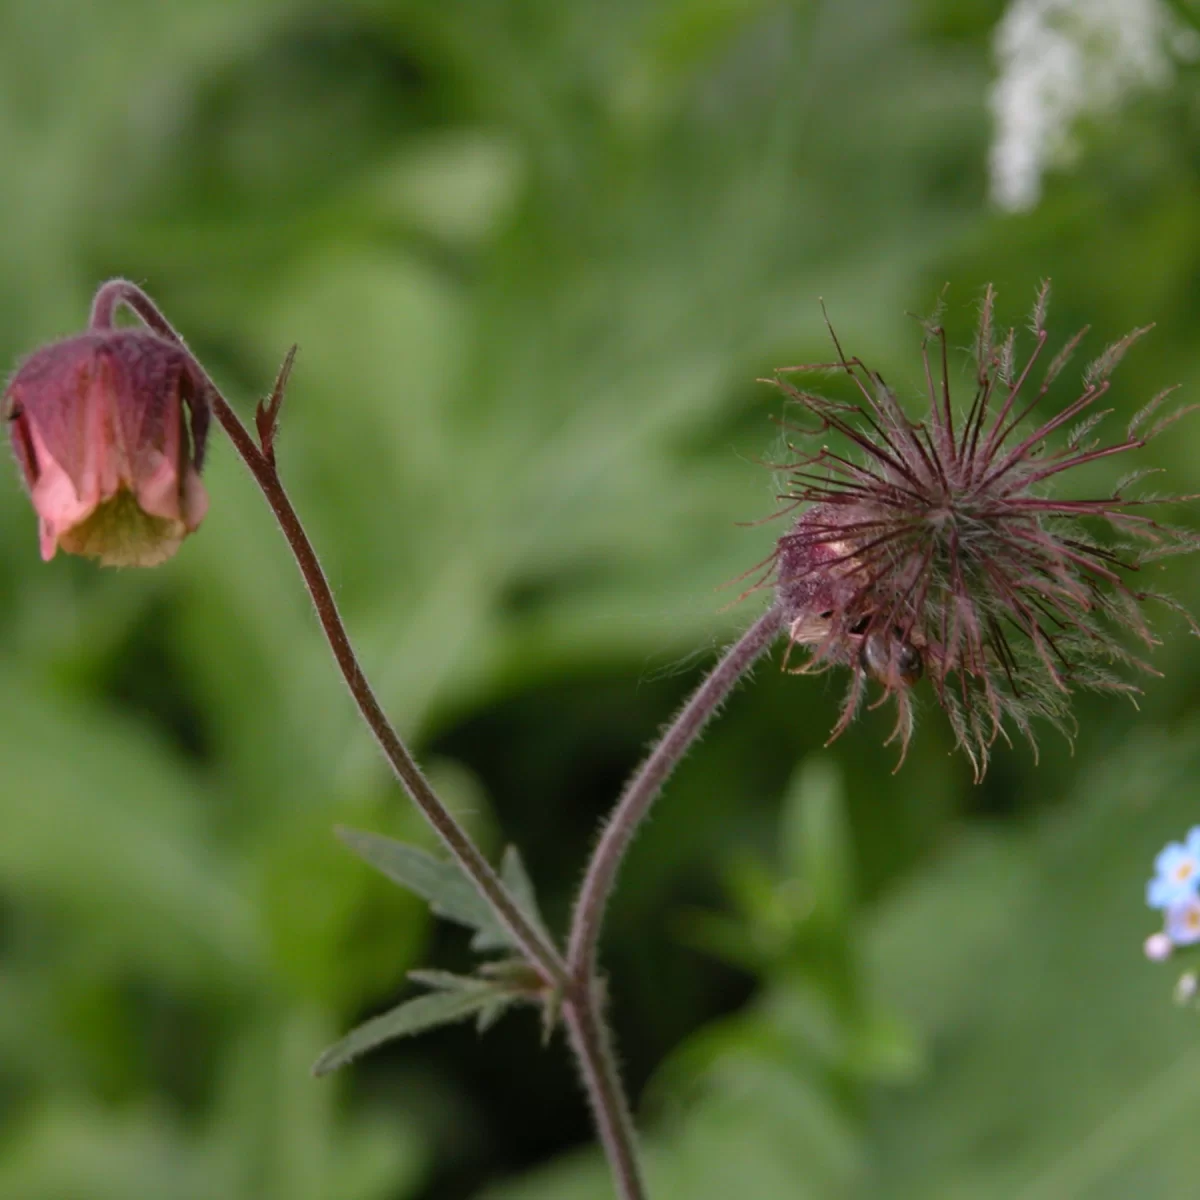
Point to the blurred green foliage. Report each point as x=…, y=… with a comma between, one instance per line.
x=535, y=254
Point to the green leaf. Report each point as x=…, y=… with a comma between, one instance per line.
x=441, y=883
x=491, y=1013
x=405, y=1020
x=817, y=843
x=448, y=891
x=447, y=981
x=1059, y=1066
x=516, y=879
x=885, y=1048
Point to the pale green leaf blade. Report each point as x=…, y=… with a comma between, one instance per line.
x=516, y=879
x=446, y=981
x=440, y=883
x=405, y=1020
x=491, y=1013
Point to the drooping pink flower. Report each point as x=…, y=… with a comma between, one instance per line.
x=110, y=458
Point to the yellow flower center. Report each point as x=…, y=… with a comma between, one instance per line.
x=120, y=534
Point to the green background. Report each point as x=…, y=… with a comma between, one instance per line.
x=535, y=254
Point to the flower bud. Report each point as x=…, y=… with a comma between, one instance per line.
x=1186, y=988
x=1158, y=947
x=97, y=423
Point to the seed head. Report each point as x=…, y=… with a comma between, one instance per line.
x=940, y=544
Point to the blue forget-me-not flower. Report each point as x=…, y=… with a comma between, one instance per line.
x=1177, y=873
x=1175, y=889
x=1183, y=921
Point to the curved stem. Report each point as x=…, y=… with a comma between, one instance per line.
x=576, y=980
x=582, y=1006
x=535, y=946
x=642, y=790
x=539, y=951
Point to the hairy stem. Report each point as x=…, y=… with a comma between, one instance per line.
x=539, y=951
x=583, y=1008
x=576, y=979
x=583, y=1014
x=642, y=790
x=536, y=948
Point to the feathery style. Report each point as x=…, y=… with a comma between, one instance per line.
x=939, y=545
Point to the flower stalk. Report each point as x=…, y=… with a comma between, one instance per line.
x=642, y=790
x=928, y=548
x=583, y=1005
x=539, y=951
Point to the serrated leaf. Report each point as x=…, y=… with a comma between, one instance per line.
x=491, y=1013
x=447, y=981
x=516, y=879
x=405, y=1020
x=440, y=883
x=551, y=1011
x=486, y=940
